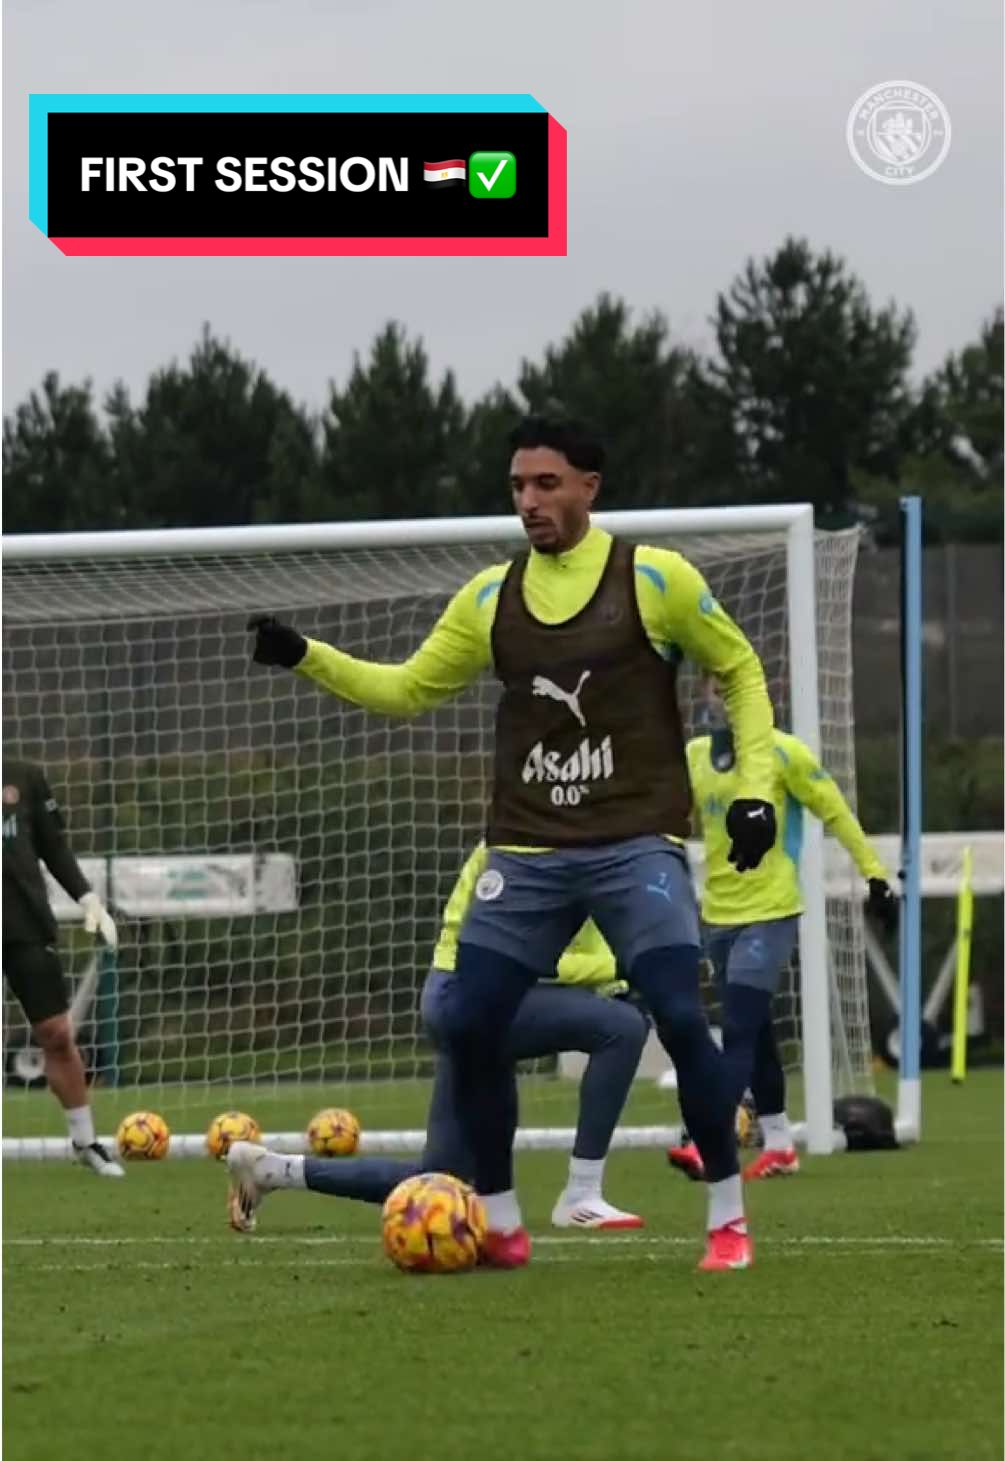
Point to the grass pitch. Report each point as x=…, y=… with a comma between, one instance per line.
x=137, y=1325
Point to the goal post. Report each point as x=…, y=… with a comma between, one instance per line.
x=127, y=675
x=814, y=984
x=912, y=669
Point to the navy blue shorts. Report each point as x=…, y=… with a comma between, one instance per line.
x=751, y=953
x=529, y=906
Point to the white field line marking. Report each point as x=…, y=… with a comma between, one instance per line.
x=310, y=1265
x=580, y=1240
x=271, y=1266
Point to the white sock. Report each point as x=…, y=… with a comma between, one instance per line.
x=280, y=1171
x=777, y=1132
x=503, y=1212
x=81, y=1124
x=586, y=1177
x=725, y=1203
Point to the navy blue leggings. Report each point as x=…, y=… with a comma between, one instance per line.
x=669, y=982
x=552, y=1018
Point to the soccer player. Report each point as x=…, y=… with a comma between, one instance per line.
x=750, y=923
x=33, y=829
x=590, y=801
x=582, y=1011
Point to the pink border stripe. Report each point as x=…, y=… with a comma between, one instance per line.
x=554, y=244
x=303, y=247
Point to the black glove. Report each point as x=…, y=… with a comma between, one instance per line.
x=276, y=644
x=881, y=904
x=751, y=828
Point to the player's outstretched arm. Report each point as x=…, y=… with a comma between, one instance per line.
x=455, y=653
x=53, y=848
x=704, y=631
x=810, y=784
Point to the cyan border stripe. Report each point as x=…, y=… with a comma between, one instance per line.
x=38, y=162
x=251, y=101
x=40, y=104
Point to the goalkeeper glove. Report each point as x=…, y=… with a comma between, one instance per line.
x=276, y=644
x=97, y=919
x=751, y=827
x=881, y=904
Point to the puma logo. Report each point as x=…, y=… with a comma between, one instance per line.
x=543, y=686
x=661, y=888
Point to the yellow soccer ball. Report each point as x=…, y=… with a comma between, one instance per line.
x=433, y=1223
x=228, y=1127
x=143, y=1136
x=333, y=1133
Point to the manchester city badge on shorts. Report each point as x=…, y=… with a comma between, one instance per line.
x=489, y=885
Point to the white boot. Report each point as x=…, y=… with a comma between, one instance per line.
x=591, y=1211
x=96, y=1158
x=255, y=1172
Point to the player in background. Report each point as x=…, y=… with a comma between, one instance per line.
x=750, y=923
x=582, y=1010
x=33, y=829
x=590, y=803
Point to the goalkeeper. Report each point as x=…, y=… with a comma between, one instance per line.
x=750, y=924
x=583, y=1010
x=33, y=829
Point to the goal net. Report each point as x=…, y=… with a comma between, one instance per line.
x=278, y=860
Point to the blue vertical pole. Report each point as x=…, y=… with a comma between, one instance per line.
x=106, y=1019
x=909, y=1084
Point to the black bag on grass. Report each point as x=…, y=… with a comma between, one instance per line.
x=867, y=1123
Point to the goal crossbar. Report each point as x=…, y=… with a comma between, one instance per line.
x=404, y=533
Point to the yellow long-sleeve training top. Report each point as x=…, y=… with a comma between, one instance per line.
x=772, y=889
x=588, y=959
x=678, y=614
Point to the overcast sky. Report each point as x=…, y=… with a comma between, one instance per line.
x=699, y=133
